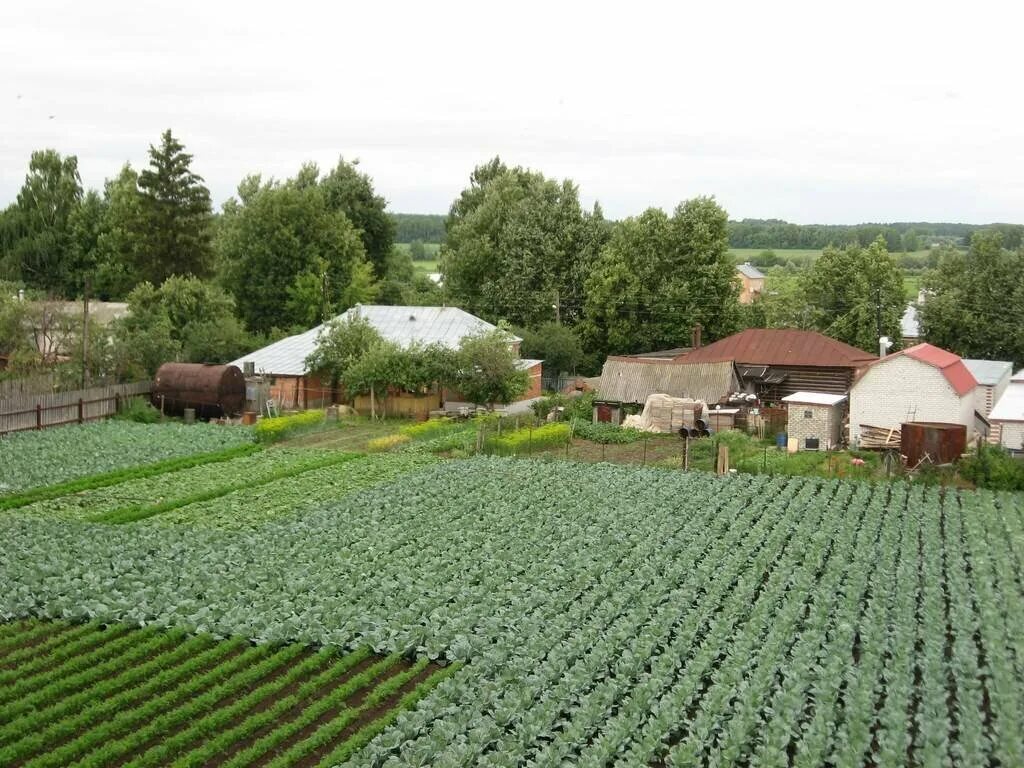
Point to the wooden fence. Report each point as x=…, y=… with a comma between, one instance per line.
x=52, y=410
x=27, y=386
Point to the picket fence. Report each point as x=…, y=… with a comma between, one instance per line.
x=58, y=408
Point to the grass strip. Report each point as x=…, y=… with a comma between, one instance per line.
x=141, y=512
x=256, y=722
x=40, y=732
x=366, y=734
x=91, y=482
x=156, y=671
x=310, y=714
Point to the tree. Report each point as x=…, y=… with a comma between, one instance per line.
x=14, y=336
x=341, y=342
x=121, y=241
x=973, y=301
x=185, y=319
x=658, y=277
x=487, y=370
x=417, y=251
x=40, y=240
x=557, y=345
x=286, y=257
x=176, y=215
x=856, y=294
x=519, y=246
x=351, y=192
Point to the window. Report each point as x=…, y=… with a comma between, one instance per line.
x=811, y=443
x=808, y=414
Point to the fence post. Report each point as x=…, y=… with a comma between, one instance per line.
x=643, y=462
x=117, y=402
x=81, y=412
x=602, y=451
x=686, y=453
x=39, y=415
x=529, y=446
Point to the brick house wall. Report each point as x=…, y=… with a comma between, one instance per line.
x=750, y=288
x=1011, y=435
x=820, y=422
x=899, y=389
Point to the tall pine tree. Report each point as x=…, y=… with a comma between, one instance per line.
x=176, y=216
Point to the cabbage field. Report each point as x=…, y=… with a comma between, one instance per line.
x=51, y=456
x=606, y=615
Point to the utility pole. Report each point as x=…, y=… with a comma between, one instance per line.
x=878, y=312
x=323, y=298
x=85, y=336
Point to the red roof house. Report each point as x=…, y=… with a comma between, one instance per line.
x=921, y=383
x=776, y=362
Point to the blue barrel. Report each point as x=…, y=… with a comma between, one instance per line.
x=780, y=440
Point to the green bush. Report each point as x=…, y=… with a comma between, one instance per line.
x=139, y=410
x=993, y=468
x=527, y=440
x=609, y=434
x=279, y=427
x=545, y=405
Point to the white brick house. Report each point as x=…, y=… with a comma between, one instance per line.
x=1008, y=415
x=922, y=383
x=815, y=419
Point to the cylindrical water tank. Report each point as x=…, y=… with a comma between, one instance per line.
x=212, y=390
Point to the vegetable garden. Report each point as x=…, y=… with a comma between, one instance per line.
x=607, y=615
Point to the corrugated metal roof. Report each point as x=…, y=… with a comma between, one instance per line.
x=989, y=372
x=785, y=347
x=402, y=325
x=632, y=380
x=813, y=398
x=1011, y=405
x=749, y=270
x=952, y=367
x=909, y=326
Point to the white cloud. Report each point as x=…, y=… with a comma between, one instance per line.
x=804, y=111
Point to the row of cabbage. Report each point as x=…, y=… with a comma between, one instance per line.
x=50, y=456
x=96, y=695
x=611, y=615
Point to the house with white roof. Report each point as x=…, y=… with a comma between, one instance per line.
x=292, y=385
x=1007, y=416
x=993, y=377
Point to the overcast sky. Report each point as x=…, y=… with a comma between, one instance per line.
x=811, y=112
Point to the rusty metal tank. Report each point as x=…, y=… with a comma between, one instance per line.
x=213, y=390
x=932, y=442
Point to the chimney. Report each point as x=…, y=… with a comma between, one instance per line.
x=695, y=336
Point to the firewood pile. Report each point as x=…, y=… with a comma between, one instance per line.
x=879, y=437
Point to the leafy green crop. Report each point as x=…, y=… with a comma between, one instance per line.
x=50, y=456
x=526, y=440
x=609, y=615
x=279, y=427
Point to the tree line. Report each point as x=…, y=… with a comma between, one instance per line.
x=284, y=255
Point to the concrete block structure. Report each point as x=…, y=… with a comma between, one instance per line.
x=815, y=419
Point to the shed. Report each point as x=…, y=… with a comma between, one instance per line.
x=1007, y=416
x=922, y=383
x=629, y=381
x=775, y=362
x=815, y=419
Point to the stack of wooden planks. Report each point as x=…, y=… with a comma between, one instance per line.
x=879, y=437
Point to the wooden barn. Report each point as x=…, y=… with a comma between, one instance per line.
x=774, y=363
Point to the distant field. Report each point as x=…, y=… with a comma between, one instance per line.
x=798, y=255
x=426, y=266
x=431, y=248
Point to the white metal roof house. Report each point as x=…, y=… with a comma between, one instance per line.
x=751, y=282
x=922, y=383
x=284, y=361
x=1007, y=416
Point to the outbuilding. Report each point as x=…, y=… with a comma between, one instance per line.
x=922, y=383
x=1007, y=416
x=815, y=419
